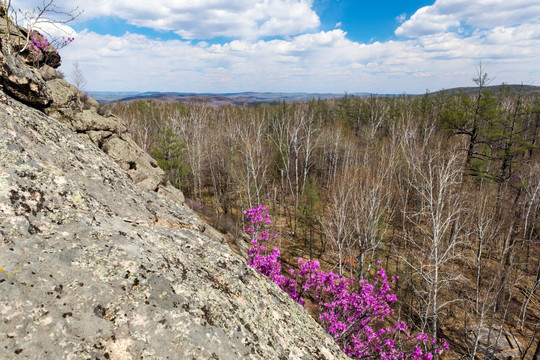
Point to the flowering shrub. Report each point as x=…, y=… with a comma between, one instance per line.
x=353, y=315
x=195, y=205
x=43, y=50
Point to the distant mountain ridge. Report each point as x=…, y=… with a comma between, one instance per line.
x=252, y=97
x=512, y=88
x=239, y=98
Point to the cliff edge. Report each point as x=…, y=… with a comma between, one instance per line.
x=101, y=259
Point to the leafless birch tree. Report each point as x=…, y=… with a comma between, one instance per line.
x=435, y=177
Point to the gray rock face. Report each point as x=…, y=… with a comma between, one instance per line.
x=107, y=133
x=16, y=35
x=91, y=267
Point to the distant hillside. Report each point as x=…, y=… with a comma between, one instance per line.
x=241, y=98
x=108, y=96
x=514, y=89
x=249, y=98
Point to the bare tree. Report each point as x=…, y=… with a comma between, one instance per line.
x=435, y=178
x=338, y=225
x=77, y=76
x=484, y=229
x=220, y=169
x=369, y=211
x=531, y=209
x=191, y=126
x=338, y=152
x=377, y=109
x=296, y=136
x=248, y=134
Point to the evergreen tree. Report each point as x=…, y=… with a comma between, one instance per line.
x=168, y=154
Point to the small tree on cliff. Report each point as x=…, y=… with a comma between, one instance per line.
x=42, y=17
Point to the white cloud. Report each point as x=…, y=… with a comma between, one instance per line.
x=54, y=30
x=315, y=62
x=205, y=19
x=439, y=47
x=483, y=14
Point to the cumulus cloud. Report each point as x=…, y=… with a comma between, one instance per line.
x=431, y=50
x=205, y=19
x=445, y=14
x=314, y=62
x=54, y=30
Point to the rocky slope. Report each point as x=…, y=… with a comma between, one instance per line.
x=101, y=259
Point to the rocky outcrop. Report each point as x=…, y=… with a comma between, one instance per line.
x=80, y=113
x=21, y=82
x=101, y=259
x=19, y=44
x=140, y=166
x=66, y=101
x=77, y=110
x=22, y=70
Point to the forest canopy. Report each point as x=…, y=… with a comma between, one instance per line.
x=444, y=189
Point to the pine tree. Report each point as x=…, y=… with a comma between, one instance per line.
x=168, y=154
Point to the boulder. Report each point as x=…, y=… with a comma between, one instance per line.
x=140, y=166
x=66, y=99
x=48, y=73
x=499, y=343
x=91, y=267
x=171, y=193
x=91, y=120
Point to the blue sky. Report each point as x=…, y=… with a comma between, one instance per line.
x=334, y=46
x=366, y=21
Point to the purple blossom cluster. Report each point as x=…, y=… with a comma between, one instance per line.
x=195, y=205
x=354, y=313
x=65, y=41
x=40, y=45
